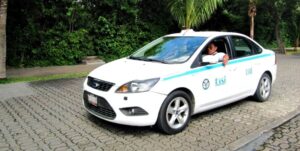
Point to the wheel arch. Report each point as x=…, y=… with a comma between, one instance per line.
x=269, y=73
x=189, y=92
x=257, y=96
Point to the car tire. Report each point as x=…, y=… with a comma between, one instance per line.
x=263, y=90
x=175, y=113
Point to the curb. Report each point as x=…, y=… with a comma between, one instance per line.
x=242, y=143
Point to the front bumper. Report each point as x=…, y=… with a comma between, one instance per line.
x=112, y=103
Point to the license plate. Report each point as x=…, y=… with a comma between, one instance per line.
x=92, y=99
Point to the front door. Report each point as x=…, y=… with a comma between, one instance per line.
x=213, y=83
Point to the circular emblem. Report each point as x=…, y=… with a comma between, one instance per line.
x=96, y=84
x=205, y=84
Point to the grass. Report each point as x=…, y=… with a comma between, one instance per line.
x=292, y=52
x=289, y=51
x=43, y=78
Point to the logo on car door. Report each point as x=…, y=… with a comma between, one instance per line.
x=205, y=84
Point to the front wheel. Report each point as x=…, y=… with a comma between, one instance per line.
x=264, y=87
x=175, y=113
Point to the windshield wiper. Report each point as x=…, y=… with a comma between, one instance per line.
x=155, y=60
x=136, y=58
x=147, y=59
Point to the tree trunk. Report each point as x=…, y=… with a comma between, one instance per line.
x=297, y=43
x=252, y=14
x=252, y=27
x=3, y=14
x=278, y=36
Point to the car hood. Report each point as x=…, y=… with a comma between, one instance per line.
x=124, y=70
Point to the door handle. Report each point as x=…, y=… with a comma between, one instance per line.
x=233, y=69
x=257, y=64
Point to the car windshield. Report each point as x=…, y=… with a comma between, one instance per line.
x=169, y=49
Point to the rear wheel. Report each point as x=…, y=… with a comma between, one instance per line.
x=175, y=113
x=264, y=87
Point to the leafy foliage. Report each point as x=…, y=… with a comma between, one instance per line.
x=233, y=16
x=191, y=13
x=61, y=32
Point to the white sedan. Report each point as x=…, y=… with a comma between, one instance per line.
x=169, y=79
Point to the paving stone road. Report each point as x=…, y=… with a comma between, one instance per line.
x=286, y=137
x=51, y=117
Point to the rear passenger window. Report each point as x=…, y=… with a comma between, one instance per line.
x=256, y=48
x=241, y=47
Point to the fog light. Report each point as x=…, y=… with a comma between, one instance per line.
x=133, y=111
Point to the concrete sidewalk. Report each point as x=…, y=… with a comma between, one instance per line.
x=53, y=70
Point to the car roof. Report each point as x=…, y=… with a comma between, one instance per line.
x=191, y=32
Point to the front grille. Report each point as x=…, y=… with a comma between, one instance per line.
x=102, y=109
x=99, y=84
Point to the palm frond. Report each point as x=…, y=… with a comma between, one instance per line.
x=191, y=13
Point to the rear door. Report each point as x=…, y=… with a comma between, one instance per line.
x=244, y=63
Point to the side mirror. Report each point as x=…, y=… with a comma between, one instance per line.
x=208, y=59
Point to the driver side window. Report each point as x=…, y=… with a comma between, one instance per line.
x=222, y=46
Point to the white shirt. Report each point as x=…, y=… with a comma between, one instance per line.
x=214, y=58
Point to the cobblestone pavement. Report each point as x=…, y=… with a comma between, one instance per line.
x=52, y=118
x=285, y=137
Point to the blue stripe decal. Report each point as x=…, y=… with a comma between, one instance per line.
x=213, y=66
x=249, y=58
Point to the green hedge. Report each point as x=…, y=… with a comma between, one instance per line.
x=62, y=32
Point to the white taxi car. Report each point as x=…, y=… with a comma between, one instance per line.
x=167, y=81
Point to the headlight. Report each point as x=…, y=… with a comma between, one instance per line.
x=137, y=86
